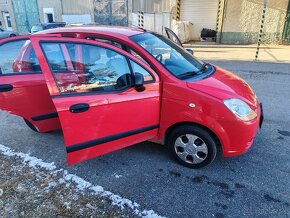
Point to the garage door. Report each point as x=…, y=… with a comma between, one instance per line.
x=202, y=13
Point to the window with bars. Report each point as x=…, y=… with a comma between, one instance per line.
x=151, y=6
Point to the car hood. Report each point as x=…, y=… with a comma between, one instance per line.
x=224, y=85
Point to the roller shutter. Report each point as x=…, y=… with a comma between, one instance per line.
x=202, y=13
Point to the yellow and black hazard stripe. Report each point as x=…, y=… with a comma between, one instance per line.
x=178, y=10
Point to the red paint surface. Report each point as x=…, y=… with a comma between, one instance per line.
x=164, y=102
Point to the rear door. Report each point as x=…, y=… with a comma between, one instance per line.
x=92, y=88
x=23, y=90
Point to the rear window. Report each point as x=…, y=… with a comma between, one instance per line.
x=18, y=57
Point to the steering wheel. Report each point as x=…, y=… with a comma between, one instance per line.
x=159, y=58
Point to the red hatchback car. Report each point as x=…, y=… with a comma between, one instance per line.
x=111, y=87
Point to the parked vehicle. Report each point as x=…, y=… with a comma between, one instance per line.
x=112, y=87
x=45, y=26
x=6, y=34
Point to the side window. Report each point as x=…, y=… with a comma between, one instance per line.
x=55, y=57
x=119, y=45
x=18, y=57
x=138, y=69
x=81, y=68
x=137, y=56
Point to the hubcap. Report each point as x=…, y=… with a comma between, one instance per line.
x=191, y=149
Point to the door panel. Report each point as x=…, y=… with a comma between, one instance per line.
x=98, y=107
x=23, y=91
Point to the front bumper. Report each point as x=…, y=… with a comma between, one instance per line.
x=241, y=135
x=261, y=116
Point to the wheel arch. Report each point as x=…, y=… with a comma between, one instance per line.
x=170, y=129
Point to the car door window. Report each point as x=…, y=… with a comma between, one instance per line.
x=94, y=68
x=138, y=69
x=119, y=45
x=18, y=57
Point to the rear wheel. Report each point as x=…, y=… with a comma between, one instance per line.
x=12, y=35
x=192, y=146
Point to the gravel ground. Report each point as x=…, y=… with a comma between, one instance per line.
x=30, y=187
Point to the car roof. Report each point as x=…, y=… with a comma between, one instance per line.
x=121, y=30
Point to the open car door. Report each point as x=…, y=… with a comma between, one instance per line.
x=172, y=36
x=92, y=87
x=23, y=90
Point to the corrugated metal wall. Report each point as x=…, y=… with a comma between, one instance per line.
x=201, y=13
x=151, y=6
x=77, y=6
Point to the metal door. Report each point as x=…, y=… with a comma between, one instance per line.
x=26, y=15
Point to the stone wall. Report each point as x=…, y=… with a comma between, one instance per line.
x=242, y=21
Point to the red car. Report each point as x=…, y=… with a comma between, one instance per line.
x=111, y=87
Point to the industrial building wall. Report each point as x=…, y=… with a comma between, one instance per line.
x=6, y=6
x=69, y=11
x=241, y=22
x=111, y=12
x=157, y=13
x=53, y=4
x=26, y=14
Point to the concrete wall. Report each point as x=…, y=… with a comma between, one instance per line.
x=67, y=7
x=57, y=9
x=6, y=6
x=242, y=20
x=153, y=21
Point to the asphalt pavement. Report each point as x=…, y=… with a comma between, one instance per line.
x=256, y=184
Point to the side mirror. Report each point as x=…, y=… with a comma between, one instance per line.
x=139, y=82
x=190, y=51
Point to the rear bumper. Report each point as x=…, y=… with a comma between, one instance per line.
x=241, y=135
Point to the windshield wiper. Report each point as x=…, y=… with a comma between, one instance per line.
x=186, y=74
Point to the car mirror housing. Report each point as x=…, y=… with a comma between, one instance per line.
x=139, y=82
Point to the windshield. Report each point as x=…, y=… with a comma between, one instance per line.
x=174, y=58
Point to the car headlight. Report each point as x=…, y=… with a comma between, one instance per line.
x=240, y=109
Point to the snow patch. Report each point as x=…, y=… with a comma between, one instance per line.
x=117, y=176
x=80, y=183
x=31, y=161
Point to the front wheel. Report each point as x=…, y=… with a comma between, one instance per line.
x=192, y=146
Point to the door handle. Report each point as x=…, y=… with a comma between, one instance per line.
x=6, y=88
x=79, y=108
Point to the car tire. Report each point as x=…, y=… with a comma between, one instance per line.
x=192, y=146
x=12, y=35
x=30, y=125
